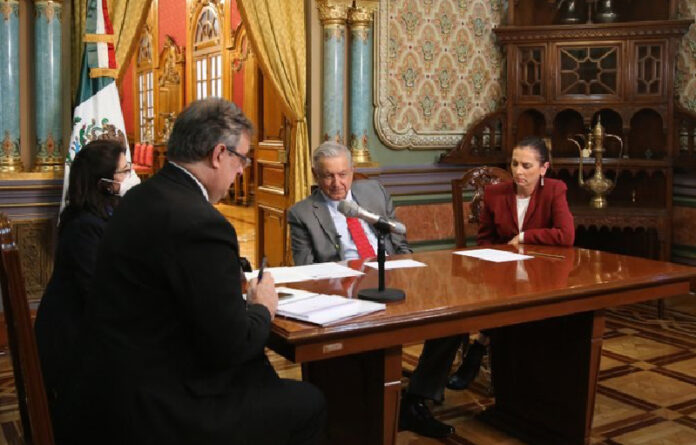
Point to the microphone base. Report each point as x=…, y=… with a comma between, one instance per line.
x=382, y=296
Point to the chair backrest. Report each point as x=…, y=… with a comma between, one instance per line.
x=137, y=150
x=477, y=179
x=149, y=155
x=31, y=395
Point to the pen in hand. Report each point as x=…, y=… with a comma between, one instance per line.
x=263, y=266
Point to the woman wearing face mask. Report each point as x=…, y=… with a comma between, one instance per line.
x=529, y=210
x=98, y=175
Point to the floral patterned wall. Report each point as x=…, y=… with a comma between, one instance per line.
x=439, y=69
x=685, y=81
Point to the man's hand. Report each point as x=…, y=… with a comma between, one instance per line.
x=263, y=293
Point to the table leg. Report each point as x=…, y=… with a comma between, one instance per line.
x=545, y=378
x=362, y=393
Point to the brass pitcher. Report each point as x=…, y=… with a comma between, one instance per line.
x=570, y=11
x=598, y=184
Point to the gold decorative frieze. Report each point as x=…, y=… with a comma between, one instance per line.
x=333, y=11
x=172, y=56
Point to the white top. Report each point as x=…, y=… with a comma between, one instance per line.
x=350, y=252
x=203, y=190
x=522, y=205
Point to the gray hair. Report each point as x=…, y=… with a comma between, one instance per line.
x=203, y=125
x=330, y=149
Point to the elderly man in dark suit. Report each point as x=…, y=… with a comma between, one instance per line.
x=176, y=353
x=320, y=233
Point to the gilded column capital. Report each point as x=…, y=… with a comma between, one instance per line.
x=363, y=12
x=9, y=7
x=333, y=11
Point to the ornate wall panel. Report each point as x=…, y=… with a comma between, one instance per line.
x=438, y=70
x=685, y=82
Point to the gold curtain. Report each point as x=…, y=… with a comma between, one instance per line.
x=276, y=30
x=127, y=18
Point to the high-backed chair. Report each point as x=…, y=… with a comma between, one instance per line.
x=477, y=179
x=143, y=160
x=31, y=395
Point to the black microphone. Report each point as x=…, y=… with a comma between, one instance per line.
x=353, y=210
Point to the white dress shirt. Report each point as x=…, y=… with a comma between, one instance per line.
x=203, y=190
x=350, y=252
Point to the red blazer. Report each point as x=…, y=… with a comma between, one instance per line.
x=548, y=219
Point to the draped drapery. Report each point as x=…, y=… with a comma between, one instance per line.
x=127, y=19
x=276, y=30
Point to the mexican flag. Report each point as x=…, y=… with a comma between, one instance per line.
x=98, y=112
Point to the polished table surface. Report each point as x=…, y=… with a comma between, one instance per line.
x=457, y=294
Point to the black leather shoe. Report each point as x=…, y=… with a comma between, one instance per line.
x=469, y=368
x=416, y=416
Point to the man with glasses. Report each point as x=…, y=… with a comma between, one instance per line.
x=319, y=232
x=176, y=354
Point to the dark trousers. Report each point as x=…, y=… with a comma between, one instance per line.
x=290, y=412
x=430, y=376
x=280, y=412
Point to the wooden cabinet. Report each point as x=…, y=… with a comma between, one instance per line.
x=562, y=79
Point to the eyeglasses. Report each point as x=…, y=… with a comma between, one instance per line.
x=126, y=170
x=246, y=160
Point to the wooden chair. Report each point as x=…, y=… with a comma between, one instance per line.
x=31, y=395
x=143, y=160
x=477, y=178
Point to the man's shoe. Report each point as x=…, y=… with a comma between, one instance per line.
x=416, y=416
x=469, y=368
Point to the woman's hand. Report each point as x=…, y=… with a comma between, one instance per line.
x=515, y=241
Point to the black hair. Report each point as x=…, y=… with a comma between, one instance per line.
x=86, y=191
x=204, y=124
x=537, y=144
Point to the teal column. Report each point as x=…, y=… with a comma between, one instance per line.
x=360, y=19
x=48, y=85
x=333, y=16
x=10, y=157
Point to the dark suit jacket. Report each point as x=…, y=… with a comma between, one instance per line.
x=313, y=233
x=175, y=347
x=548, y=219
x=60, y=318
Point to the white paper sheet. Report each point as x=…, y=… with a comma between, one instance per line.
x=287, y=295
x=317, y=271
x=281, y=275
x=320, y=271
x=495, y=255
x=325, y=309
x=396, y=264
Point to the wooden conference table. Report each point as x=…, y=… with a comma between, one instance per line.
x=548, y=312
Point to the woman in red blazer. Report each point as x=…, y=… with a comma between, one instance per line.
x=529, y=210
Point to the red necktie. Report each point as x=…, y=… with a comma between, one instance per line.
x=363, y=245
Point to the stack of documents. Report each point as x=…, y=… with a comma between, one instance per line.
x=319, y=271
x=319, y=308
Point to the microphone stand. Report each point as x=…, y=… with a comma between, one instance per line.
x=381, y=294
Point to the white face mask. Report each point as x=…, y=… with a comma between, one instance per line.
x=131, y=181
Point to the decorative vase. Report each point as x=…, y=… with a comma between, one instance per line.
x=605, y=12
x=570, y=11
